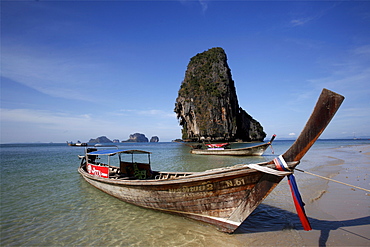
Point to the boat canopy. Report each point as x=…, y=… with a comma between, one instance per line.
x=111, y=152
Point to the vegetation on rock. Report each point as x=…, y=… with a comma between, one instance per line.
x=137, y=137
x=207, y=105
x=101, y=139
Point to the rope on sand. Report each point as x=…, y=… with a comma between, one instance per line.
x=336, y=181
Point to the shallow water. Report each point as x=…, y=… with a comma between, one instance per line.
x=44, y=201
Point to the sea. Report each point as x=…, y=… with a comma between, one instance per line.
x=45, y=201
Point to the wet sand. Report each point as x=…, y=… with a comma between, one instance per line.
x=339, y=214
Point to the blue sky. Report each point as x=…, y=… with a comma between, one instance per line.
x=75, y=70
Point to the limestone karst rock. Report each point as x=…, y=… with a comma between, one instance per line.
x=101, y=139
x=154, y=139
x=207, y=105
x=137, y=137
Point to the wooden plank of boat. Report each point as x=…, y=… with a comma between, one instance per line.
x=223, y=197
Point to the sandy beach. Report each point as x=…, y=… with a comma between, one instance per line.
x=339, y=214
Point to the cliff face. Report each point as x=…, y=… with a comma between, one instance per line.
x=207, y=105
x=137, y=137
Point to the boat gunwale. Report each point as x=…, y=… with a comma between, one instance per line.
x=245, y=148
x=216, y=173
x=230, y=151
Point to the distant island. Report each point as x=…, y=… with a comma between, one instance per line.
x=136, y=137
x=101, y=139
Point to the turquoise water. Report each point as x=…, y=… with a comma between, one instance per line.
x=45, y=202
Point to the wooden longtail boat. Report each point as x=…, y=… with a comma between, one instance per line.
x=257, y=150
x=223, y=197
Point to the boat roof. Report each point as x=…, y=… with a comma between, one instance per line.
x=116, y=151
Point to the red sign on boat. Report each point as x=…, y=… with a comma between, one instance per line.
x=101, y=171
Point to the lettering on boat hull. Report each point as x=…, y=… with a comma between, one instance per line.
x=209, y=186
x=100, y=171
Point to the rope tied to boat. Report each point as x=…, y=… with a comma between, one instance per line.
x=270, y=142
x=272, y=149
x=284, y=170
x=336, y=181
x=281, y=165
x=268, y=170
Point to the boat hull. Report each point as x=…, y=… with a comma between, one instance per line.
x=248, y=151
x=224, y=198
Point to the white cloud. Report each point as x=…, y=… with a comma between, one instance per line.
x=152, y=113
x=292, y=134
x=203, y=3
x=349, y=75
x=57, y=73
x=311, y=17
x=49, y=119
x=28, y=125
x=301, y=21
x=362, y=50
x=360, y=112
x=158, y=113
